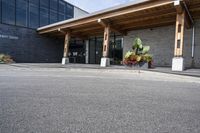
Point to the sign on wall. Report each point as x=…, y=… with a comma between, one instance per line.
x=9, y=37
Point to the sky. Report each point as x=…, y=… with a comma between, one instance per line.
x=96, y=5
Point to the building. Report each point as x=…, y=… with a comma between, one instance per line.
x=170, y=27
x=19, y=20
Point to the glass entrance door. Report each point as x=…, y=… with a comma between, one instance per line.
x=115, y=50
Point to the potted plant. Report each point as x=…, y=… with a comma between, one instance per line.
x=139, y=56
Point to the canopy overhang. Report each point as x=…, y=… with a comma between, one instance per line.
x=147, y=14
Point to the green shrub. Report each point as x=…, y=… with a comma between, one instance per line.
x=6, y=59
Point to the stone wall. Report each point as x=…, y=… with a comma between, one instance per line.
x=26, y=46
x=161, y=41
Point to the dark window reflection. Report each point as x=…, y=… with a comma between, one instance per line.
x=22, y=12
x=34, y=13
x=33, y=16
x=44, y=16
x=8, y=11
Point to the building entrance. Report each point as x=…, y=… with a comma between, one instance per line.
x=77, y=51
x=115, y=50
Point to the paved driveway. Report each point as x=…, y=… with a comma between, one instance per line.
x=62, y=100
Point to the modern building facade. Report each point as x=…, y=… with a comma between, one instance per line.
x=170, y=27
x=19, y=20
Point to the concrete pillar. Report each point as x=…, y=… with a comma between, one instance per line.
x=105, y=61
x=65, y=59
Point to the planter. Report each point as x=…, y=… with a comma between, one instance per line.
x=141, y=65
x=145, y=65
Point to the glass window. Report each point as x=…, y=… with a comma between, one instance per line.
x=8, y=11
x=61, y=17
x=61, y=6
x=35, y=2
x=68, y=17
x=0, y=11
x=44, y=16
x=44, y=3
x=53, y=5
x=69, y=10
x=33, y=16
x=53, y=16
x=22, y=12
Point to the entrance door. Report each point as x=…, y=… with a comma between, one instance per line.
x=116, y=50
x=99, y=50
x=77, y=52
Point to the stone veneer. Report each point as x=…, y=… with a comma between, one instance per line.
x=161, y=40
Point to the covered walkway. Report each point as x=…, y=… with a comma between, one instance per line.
x=132, y=16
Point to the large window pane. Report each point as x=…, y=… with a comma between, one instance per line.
x=53, y=16
x=61, y=6
x=61, y=17
x=35, y=2
x=33, y=16
x=8, y=11
x=44, y=16
x=53, y=5
x=69, y=11
x=0, y=11
x=44, y=3
x=22, y=12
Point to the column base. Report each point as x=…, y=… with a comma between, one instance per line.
x=65, y=61
x=178, y=64
x=105, y=62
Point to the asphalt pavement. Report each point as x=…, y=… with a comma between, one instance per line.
x=62, y=100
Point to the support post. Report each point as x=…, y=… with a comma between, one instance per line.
x=65, y=59
x=178, y=60
x=105, y=61
x=87, y=51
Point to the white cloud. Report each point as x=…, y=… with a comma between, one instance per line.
x=96, y=5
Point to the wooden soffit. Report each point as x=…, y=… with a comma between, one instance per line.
x=153, y=13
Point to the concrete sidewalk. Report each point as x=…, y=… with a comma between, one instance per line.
x=187, y=72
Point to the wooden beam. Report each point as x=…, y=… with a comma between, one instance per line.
x=144, y=19
x=149, y=22
x=182, y=7
x=61, y=31
x=66, y=44
x=106, y=15
x=179, y=35
x=104, y=23
x=106, y=41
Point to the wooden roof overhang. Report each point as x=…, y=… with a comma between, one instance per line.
x=149, y=14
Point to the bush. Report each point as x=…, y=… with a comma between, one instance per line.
x=7, y=59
